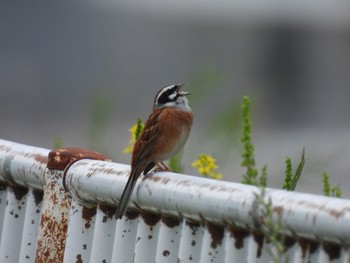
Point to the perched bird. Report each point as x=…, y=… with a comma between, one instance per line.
x=164, y=135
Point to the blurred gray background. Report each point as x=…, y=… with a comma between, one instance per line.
x=83, y=71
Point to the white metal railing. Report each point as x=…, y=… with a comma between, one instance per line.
x=58, y=207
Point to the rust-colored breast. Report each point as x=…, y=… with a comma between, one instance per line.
x=175, y=129
x=164, y=135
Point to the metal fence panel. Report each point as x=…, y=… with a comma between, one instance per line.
x=191, y=242
x=168, y=240
x=80, y=233
x=125, y=238
x=104, y=230
x=13, y=220
x=171, y=217
x=147, y=238
x=31, y=224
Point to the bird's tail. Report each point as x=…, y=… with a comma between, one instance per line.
x=124, y=200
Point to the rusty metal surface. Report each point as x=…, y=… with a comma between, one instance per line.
x=147, y=237
x=31, y=226
x=102, y=243
x=125, y=238
x=191, y=242
x=80, y=233
x=171, y=217
x=3, y=204
x=13, y=220
x=169, y=239
x=219, y=202
x=54, y=220
x=60, y=158
x=22, y=165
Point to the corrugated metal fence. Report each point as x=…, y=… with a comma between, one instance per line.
x=58, y=207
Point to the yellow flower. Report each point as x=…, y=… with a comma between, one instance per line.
x=135, y=131
x=206, y=166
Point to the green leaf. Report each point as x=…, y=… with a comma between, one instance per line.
x=175, y=163
x=290, y=180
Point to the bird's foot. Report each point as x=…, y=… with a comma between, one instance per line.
x=162, y=167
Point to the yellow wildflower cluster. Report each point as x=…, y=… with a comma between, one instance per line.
x=206, y=166
x=135, y=131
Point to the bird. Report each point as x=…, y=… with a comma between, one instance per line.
x=164, y=135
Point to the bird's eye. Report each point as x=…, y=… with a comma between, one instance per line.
x=173, y=96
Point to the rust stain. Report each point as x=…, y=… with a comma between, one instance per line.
x=51, y=245
x=333, y=212
x=213, y=187
x=194, y=226
x=88, y=214
x=108, y=212
x=19, y=192
x=217, y=234
x=79, y=259
x=150, y=219
x=279, y=210
x=308, y=245
x=288, y=242
x=259, y=239
x=40, y=158
x=132, y=215
x=338, y=214
x=108, y=170
x=185, y=183
x=101, y=168
x=153, y=178
x=5, y=148
x=165, y=180
x=239, y=235
x=92, y=173
x=170, y=222
x=59, y=158
x=333, y=251
x=38, y=197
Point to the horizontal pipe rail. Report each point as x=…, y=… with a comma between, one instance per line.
x=220, y=202
x=22, y=164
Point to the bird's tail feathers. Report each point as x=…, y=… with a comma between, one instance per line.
x=124, y=199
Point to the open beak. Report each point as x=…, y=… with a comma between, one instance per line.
x=182, y=93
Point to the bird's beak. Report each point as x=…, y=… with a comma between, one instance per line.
x=182, y=93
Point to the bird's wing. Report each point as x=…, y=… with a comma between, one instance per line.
x=147, y=139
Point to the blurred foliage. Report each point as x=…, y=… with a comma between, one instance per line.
x=329, y=190
x=290, y=180
x=57, y=142
x=271, y=229
x=263, y=177
x=135, y=132
x=175, y=165
x=248, y=158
